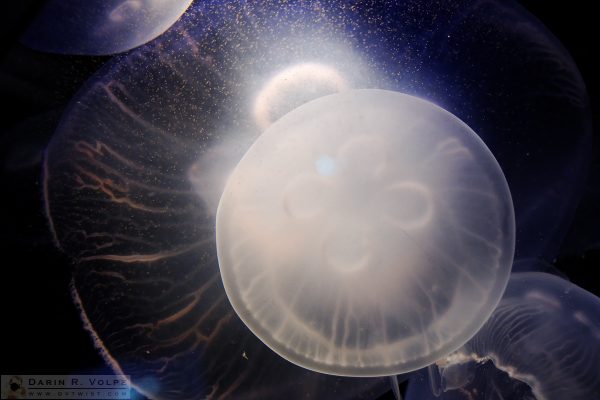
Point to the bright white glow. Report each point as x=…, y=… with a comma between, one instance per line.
x=325, y=165
x=293, y=87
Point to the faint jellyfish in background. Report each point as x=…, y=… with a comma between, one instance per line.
x=293, y=87
x=134, y=173
x=476, y=47
x=541, y=342
x=286, y=90
x=100, y=27
x=393, y=259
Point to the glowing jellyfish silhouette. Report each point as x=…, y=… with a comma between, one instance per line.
x=134, y=173
x=386, y=264
x=541, y=342
x=294, y=86
x=98, y=27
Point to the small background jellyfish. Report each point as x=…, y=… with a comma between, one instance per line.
x=541, y=342
x=100, y=27
x=490, y=63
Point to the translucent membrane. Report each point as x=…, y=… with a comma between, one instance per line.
x=542, y=342
x=383, y=259
x=98, y=27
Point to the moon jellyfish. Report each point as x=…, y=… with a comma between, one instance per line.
x=294, y=86
x=541, y=342
x=139, y=161
x=98, y=27
x=385, y=261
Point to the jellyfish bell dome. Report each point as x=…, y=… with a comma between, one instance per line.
x=541, y=342
x=366, y=233
x=100, y=27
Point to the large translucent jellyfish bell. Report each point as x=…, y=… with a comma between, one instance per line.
x=541, y=342
x=98, y=27
x=366, y=233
